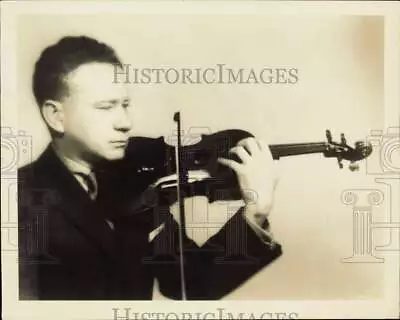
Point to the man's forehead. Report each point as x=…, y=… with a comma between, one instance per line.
x=95, y=78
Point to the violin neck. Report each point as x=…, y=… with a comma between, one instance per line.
x=294, y=149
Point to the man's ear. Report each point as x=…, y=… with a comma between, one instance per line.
x=53, y=114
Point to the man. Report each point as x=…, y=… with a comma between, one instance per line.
x=89, y=240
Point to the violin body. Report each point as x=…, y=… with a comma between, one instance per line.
x=154, y=160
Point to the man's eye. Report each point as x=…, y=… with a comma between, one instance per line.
x=104, y=107
x=125, y=105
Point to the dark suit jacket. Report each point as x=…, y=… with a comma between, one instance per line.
x=67, y=251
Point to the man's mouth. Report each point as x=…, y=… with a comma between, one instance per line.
x=119, y=143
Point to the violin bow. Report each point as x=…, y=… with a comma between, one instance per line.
x=182, y=180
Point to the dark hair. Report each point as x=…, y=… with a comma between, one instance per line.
x=66, y=55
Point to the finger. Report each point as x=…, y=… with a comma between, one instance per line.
x=235, y=166
x=265, y=149
x=276, y=181
x=262, y=144
x=241, y=153
x=277, y=171
x=251, y=145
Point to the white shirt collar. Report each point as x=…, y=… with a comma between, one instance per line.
x=73, y=165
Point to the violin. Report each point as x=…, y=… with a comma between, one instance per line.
x=201, y=174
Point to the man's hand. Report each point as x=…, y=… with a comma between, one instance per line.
x=256, y=175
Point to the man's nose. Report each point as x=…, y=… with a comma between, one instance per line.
x=123, y=122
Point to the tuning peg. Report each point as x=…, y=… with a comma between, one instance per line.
x=339, y=159
x=354, y=166
x=343, y=139
x=328, y=136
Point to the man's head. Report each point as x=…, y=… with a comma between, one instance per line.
x=85, y=111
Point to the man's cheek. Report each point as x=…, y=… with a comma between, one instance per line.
x=102, y=122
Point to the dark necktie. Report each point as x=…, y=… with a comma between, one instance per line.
x=91, y=183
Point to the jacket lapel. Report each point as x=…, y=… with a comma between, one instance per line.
x=76, y=204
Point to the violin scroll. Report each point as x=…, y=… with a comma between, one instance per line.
x=342, y=151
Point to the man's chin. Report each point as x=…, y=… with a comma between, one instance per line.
x=115, y=155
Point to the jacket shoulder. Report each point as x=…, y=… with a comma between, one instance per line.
x=30, y=174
